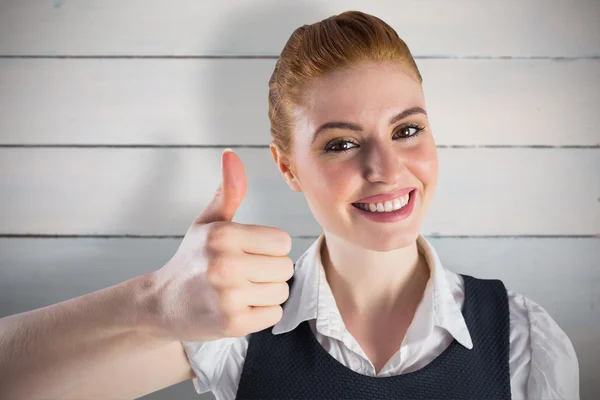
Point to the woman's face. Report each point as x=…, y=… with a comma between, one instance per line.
x=377, y=141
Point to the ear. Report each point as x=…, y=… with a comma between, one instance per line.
x=284, y=168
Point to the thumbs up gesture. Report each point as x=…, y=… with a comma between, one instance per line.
x=226, y=279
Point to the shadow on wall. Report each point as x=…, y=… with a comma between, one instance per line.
x=252, y=24
x=245, y=22
x=73, y=267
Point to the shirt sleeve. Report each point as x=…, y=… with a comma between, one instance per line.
x=554, y=368
x=217, y=364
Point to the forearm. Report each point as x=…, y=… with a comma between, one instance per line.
x=45, y=352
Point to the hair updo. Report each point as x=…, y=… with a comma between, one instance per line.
x=333, y=44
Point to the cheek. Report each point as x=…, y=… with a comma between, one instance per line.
x=425, y=164
x=329, y=181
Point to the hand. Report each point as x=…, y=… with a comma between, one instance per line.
x=226, y=279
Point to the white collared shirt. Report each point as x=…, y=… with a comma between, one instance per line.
x=543, y=363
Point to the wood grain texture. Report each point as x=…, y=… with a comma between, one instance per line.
x=438, y=28
x=39, y=272
x=224, y=102
x=160, y=191
x=193, y=73
x=585, y=341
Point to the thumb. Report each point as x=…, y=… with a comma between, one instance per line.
x=230, y=192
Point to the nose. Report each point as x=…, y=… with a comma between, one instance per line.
x=383, y=163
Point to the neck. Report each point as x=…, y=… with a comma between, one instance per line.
x=369, y=283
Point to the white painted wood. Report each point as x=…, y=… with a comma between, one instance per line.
x=37, y=272
x=490, y=83
x=562, y=274
x=160, y=191
x=440, y=28
x=585, y=339
x=559, y=274
x=224, y=102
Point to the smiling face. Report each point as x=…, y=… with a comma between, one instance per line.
x=363, y=132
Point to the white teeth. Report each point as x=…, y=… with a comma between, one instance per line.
x=388, y=206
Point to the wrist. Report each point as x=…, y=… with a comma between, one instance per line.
x=148, y=311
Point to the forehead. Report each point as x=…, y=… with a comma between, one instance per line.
x=369, y=91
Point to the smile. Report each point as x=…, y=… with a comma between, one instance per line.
x=393, y=210
x=386, y=206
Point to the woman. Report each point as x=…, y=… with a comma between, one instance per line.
x=370, y=311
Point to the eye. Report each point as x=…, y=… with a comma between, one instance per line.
x=405, y=131
x=339, y=146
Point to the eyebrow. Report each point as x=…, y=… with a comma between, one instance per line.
x=354, y=127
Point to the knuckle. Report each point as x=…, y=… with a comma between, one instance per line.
x=217, y=235
x=286, y=241
x=219, y=268
x=232, y=326
x=289, y=268
x=283, y=292
x=230, y=301
x=277, y=314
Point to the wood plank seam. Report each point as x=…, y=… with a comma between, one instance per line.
x=274, y=57
x=264, y=146
x=311, y=237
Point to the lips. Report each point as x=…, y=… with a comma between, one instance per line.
x=380, y=198
x=389, y=216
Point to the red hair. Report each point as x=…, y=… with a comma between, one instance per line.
x=336, y=43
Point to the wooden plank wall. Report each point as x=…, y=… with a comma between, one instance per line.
x=113, y=116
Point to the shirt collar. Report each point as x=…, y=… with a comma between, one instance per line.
x=311, y=298
x=302, y=303
x=439, y=298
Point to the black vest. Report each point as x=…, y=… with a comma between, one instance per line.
x=293, y=365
